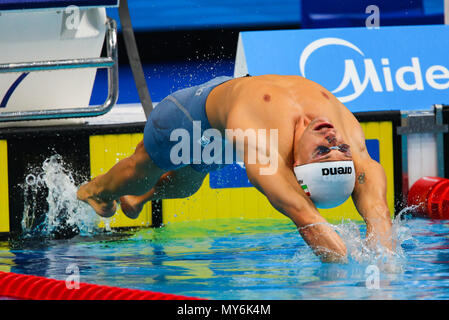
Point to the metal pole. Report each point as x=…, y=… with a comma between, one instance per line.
x=446, y=11
x=134, y=58
x=440, y=140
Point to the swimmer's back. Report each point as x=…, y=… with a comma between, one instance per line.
x=275, y=98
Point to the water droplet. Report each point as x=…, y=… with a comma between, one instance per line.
x=30, y=180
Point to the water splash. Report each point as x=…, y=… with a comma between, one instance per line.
x=63, y=214
x=361, y=252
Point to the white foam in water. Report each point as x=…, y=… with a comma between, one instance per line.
x=64, y=209
x=360, y=252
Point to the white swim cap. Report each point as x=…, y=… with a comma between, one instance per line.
x=328, y=184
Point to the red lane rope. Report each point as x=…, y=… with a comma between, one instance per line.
x=26, y=287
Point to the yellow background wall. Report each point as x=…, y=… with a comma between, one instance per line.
x=105, y=152
x=4, y=194
x=210, y=203
x=207, y=203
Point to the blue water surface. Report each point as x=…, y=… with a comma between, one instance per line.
x=236, y=259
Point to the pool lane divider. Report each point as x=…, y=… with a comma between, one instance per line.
x=28, y=287
x=430, y=196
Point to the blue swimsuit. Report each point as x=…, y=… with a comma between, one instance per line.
x=179, y=110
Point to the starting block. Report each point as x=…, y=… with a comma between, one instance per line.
x=50, y=53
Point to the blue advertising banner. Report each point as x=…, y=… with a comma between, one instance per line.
x=234, y=175
x=389, y=68
x=44, y=4
x=172, y=15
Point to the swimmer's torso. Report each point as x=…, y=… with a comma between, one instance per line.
x=279, y=102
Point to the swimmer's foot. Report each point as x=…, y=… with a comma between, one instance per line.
x=103, y=208
x=131, y=206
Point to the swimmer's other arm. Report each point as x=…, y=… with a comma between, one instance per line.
x=370, y=199
x=284, y=194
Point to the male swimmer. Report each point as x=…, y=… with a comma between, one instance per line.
x=321, y=156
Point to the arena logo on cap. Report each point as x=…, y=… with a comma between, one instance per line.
x=335, y=171
x=436, y=76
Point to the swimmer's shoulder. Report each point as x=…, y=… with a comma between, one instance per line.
x=270, y=79
x=248, y=85
x=282, y=84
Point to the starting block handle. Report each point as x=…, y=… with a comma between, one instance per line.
x=110, y=62
x=57, y=65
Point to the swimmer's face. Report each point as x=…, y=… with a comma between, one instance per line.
x=322, y=142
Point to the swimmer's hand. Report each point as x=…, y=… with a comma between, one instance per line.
x=105, y=209
x=370, y=199
x=324, y=241
x=379, y=232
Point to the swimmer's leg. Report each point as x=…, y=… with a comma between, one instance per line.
x=134, y=175
x=180, y=183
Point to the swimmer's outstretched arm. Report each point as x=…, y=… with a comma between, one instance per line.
x=284, y=194
x=278, y=182
x=370, y=199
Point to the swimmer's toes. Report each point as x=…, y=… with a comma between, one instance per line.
x=130, y=210
x=103, y=208
x=82, y=194
x=107, y=210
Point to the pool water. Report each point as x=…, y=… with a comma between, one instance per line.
x=243, y=259
x=218, y=259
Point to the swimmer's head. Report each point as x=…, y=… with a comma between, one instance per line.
x=328, y=184
x=323, y=164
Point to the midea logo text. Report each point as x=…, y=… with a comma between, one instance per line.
x=436, y=76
